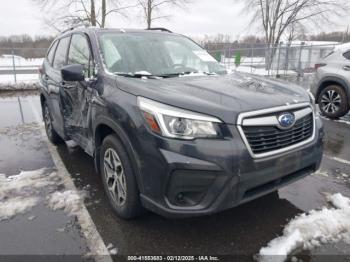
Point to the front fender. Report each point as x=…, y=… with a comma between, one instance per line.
x=124, y=139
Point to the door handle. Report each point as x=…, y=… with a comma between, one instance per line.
x=346, y=67
x=66, y=85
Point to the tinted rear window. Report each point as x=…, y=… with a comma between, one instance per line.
x=61, y=53
x=347, y=55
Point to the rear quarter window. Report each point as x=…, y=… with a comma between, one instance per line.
x=347, y=55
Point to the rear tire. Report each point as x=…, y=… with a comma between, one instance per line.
x=50, y=131
x=119, y=179
x=333, y=102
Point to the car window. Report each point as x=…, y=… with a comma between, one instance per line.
x=112, y=56
x=156, y=54
x=347, y=55
x=61, y=52
x=180, y=55
x=79, y=51
x=51, y=52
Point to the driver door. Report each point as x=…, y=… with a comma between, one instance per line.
x=76, y=96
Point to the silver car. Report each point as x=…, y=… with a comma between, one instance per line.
x=331, y=86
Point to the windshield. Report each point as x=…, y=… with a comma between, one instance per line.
x=155, y=54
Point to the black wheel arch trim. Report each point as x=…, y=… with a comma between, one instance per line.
x=43, y=97
x=124, y=139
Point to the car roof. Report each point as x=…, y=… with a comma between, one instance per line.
x=343, y=47
x=115, y=30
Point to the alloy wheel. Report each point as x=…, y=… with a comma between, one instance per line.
x=331, y=102
x=115, y=176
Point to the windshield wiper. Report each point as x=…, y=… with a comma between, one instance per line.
x=210, y=73
x=149, y=75
x=137, y=75
x=178, y=74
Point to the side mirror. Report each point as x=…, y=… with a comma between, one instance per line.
x=73, y=73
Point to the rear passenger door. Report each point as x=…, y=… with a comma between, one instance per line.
x=76, y=96
x=55, y=84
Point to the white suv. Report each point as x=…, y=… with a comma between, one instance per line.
x=331, y=86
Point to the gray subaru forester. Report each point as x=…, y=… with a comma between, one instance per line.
x=169, y=129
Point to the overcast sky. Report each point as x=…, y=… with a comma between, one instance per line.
x=199, y=18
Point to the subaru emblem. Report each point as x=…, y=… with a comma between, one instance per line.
x=286, y=120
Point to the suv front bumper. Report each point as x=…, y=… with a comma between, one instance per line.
x=192, y=178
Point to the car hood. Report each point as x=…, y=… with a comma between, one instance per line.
x=224, y=97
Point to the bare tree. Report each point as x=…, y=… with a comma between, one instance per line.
x=92, y=12
x=277, y=16
x=151, y=9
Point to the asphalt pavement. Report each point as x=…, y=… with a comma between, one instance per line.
x=23, y=147
x=238, y=233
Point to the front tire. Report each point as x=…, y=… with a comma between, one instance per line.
x=50, y=131
x=333, y=102
x=119, y=179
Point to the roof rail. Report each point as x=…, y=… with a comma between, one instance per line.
x=159, y=29
x=75, y=26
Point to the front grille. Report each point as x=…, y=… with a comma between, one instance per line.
x=263, y=139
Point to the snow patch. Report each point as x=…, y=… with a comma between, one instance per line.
x=339, y=201
x=193, y=74
x=111, y=249
x=262, y=71
x=20, y=193
x=343, y=47
x=17, y=205
x=320, y=173
x=70, y=201
x=24, y=81
x=310, y=230
x=31, y=218
x=26, y=183
x=6, y=61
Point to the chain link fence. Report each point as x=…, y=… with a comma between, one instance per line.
x=282, y=60
x=288, y=61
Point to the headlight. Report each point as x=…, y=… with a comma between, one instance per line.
x=312, y=101
x=174, y=122
x=312, y=98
